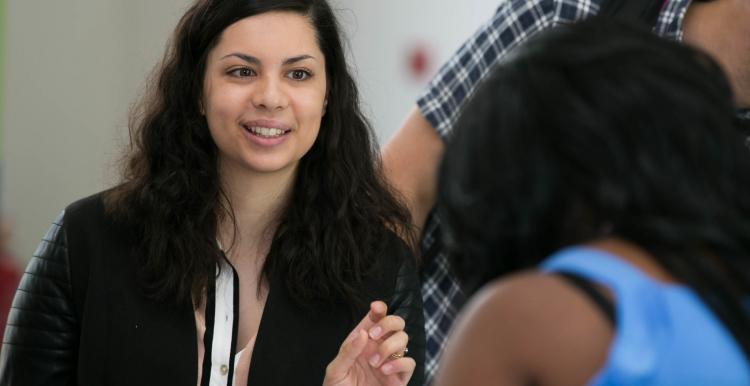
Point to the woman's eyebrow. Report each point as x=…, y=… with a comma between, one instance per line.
x=248, y=58
x=295, y=59
x=253, y=60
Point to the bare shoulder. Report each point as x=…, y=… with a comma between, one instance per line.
x=527, y=328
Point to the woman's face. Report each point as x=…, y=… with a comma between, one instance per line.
x=264, y=92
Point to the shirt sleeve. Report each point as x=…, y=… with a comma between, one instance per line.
x=406, y=302
x=39, y=347
x=513, y=22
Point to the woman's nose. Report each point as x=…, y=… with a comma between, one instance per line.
x=268, y=94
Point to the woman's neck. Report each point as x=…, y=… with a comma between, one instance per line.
x=256, y=201
x=635, y=255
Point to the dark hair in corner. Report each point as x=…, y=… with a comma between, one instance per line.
x=600, y=129
x=341, y=213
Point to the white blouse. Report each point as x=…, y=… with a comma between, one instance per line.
x=216, y=326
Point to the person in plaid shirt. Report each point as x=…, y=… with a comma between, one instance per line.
x=411, y=157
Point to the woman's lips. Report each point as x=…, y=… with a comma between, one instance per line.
x=266, y=133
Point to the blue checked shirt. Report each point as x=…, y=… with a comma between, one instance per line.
x=513, y=23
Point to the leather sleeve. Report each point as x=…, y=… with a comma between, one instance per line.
x=41, y=337
x=407, y=303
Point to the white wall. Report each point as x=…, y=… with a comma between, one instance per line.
x=74, y=67
x=382, y=32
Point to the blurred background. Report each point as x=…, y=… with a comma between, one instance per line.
x=70, y=71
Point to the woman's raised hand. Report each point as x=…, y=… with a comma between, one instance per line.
x=373, y=353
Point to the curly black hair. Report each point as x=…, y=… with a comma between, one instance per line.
x=341, y=211
x=604, y=129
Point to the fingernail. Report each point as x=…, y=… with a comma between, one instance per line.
x=387, y=368
x=374, y=360
x=375, y=332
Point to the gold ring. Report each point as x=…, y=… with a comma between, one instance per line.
x=398, y=355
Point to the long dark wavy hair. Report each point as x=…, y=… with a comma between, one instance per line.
x=341, y=213
x=602, y=129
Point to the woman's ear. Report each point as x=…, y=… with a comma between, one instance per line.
x=325, y=106
x=200, y=107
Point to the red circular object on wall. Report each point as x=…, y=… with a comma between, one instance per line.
x=419, y=61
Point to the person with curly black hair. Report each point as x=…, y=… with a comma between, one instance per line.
x=252, y=239
x=597, y=188
x=411, y=156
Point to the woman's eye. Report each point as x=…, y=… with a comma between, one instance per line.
x=242, y=72
x=299, y=74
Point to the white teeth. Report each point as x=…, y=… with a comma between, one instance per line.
x=266, y=131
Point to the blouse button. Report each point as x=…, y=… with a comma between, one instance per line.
x=224, y=369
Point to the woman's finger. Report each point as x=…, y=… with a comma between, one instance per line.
x=385, y=326
x=403, y=367
x=378, y=310
x=344, y=360
x=391, y=348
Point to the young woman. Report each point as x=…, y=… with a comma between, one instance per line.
x=605, y=163
x=250, y=232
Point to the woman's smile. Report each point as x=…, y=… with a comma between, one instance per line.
x=266, y=133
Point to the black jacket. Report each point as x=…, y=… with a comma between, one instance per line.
x=79, y=318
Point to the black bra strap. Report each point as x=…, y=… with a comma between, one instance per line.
x=644, y=12
x=585, y=285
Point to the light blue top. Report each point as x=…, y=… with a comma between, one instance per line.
x=664, y=334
